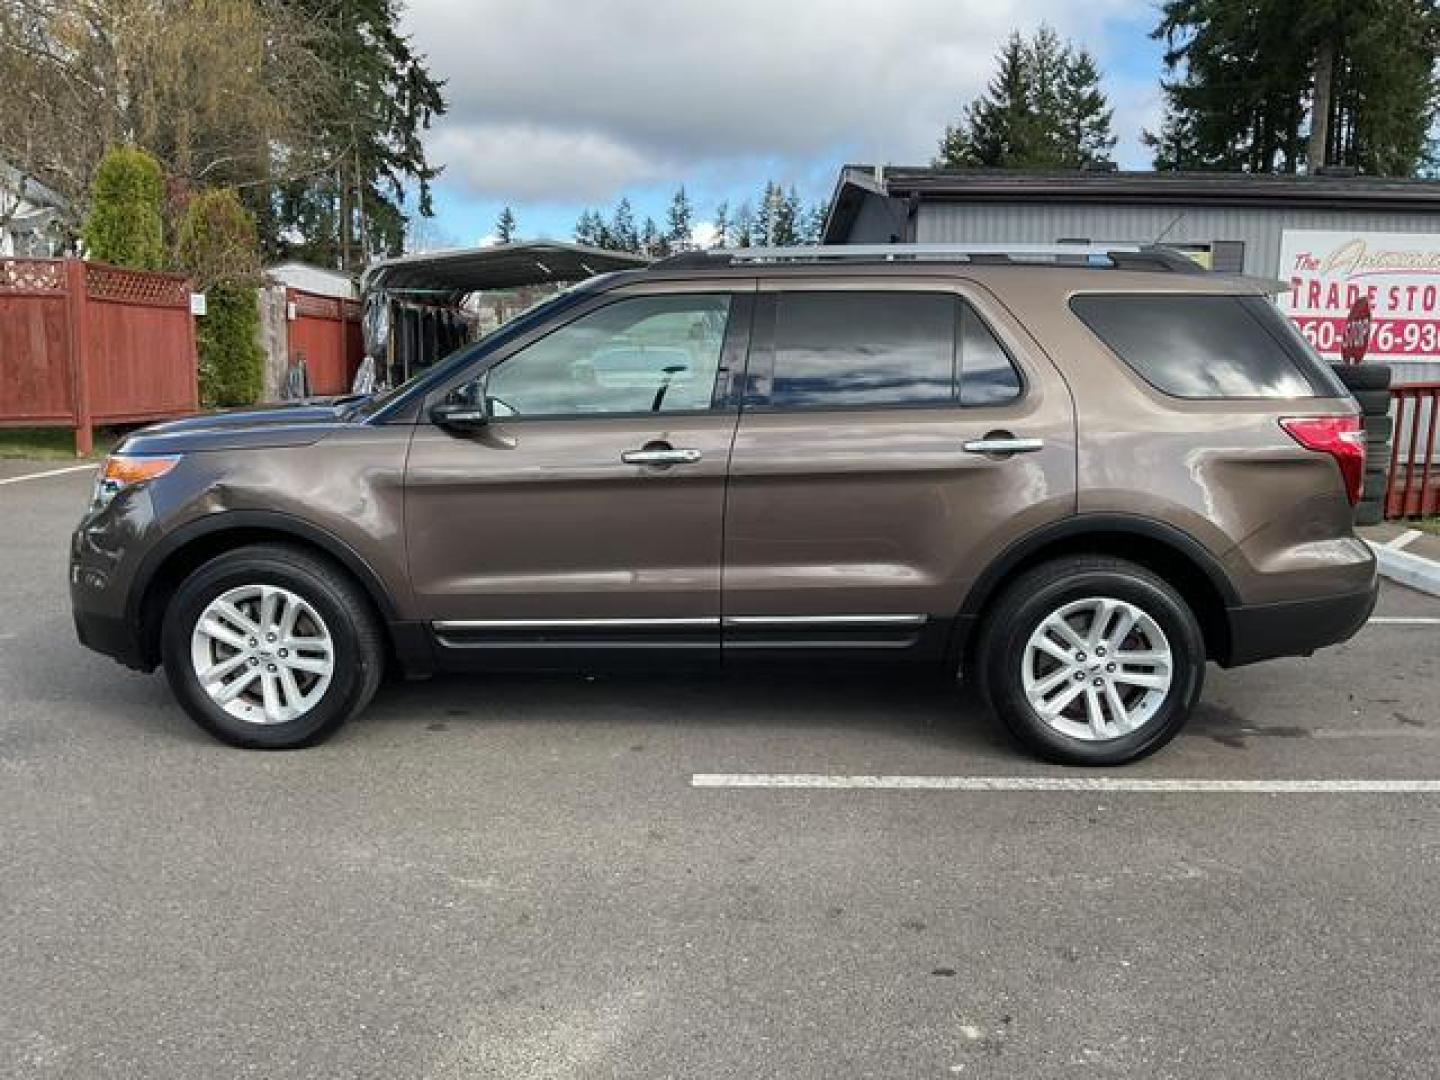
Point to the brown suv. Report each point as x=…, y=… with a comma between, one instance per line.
x=1074, y=473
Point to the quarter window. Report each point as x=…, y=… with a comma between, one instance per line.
x=987, y=376
x=642, y=354
x=1202, y=346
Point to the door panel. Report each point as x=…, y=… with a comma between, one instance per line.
x=867, y=526
x=597, y=530
x=542, y=519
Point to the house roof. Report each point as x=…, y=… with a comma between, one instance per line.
x=30, y=189
x=857, y=183
x=311, y=278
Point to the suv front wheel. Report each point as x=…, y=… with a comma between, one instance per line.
x=269, y=647
x=1092, y=661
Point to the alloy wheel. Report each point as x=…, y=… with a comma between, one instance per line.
x=1097, y=669
x=262, y=653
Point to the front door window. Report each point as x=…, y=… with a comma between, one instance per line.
x=646, y=354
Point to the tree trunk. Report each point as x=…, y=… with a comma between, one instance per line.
x=1316, y=158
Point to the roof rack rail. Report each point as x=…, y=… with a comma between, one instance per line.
x=1113, y=256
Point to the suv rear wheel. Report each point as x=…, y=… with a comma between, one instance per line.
x=270, y=647
x=1092, y=661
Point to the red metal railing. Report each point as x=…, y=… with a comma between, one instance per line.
x=1413, y=488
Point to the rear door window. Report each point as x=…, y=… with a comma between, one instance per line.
x=843, y=349
x=1192, y=346
x=846, y=349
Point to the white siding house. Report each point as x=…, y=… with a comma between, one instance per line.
x=31, y=217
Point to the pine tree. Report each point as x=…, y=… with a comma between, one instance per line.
x=375, y=103
x=1276, y=85
x=814, y=225
x=621, y=234
x=743, y=229
x=590, y=229
x=652, y=242
x=722, y=225
x=998, y=128
x=505, y=226
x=1044, y=108
x=679, y=220
x=1085, y=115
x=761, y=220
x=786, y=218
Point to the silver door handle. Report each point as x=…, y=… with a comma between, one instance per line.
x=1004, y=446
x=660, y=457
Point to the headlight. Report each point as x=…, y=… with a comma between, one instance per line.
x=120, y=472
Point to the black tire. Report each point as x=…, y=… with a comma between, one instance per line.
x=1378, y=429
x=1370, y=511
x=1373, y=402
x=1042, y=591
x=1364, y=376
x=359, y=653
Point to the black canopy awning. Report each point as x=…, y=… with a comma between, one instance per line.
x=448, y=276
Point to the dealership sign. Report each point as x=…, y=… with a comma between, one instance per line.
x=1396, y=275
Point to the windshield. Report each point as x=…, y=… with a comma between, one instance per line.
x=442, y=369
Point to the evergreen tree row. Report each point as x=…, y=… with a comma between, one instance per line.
x=778, y=218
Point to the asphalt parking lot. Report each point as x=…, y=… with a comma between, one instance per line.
x=521, y=878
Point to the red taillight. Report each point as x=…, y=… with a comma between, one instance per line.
x=1342, y=437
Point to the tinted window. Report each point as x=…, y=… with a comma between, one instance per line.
x=987, y=377
x=841, y=349
x=644, y=354
x=1200, y=346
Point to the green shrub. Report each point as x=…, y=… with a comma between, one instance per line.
x=126, y=222
x=217, y=245
x=217, y=240
x=231, y=361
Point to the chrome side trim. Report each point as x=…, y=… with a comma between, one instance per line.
x=690, y=623
x=825, y=620
x=573, y=624
x=580, y=645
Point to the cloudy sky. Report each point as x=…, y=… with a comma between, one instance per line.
x=556, y=105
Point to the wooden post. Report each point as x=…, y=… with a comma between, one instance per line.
x=77, y=309
x=191, y=346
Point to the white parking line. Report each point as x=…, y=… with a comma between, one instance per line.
x=1403, y=620
x=1376, y=733
x=1405, y=539
x=43, y=475
x=817, y=781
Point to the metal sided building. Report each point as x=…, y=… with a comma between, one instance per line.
x=1332, y=238
x=1238, y=218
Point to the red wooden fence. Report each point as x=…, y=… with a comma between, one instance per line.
x=84, y=344
x=325, y=333
x=1413, y=487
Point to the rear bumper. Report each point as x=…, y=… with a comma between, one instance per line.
x=1297, y=627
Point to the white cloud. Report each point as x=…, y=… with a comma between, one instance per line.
x=567, y=100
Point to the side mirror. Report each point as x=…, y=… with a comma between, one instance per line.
x=460, y=415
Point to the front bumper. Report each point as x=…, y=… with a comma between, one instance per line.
x=114, y=637
x=1296, y=627
x=104, y=552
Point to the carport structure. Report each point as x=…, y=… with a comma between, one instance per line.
x=416, y=306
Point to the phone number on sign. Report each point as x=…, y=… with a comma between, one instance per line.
x=1390, y=337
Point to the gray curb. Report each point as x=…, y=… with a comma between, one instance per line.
x=1407, y=569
